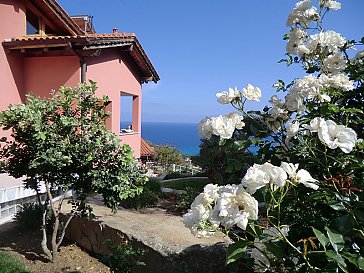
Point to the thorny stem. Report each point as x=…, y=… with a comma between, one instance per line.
x=326, y=162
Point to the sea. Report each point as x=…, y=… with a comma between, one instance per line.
x=183, y=136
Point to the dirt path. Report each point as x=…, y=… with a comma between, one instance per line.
x=154, y=227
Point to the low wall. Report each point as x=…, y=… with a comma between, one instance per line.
x=90, y=235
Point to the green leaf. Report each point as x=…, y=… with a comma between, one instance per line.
x=338, y=206
x=359, y=215
x=321, y=237
x=345, y=223
x=238, y=165
x=338, y=259
x=334, y=108
x=236, y=250
x=361, y=263
x=253, y=230
x=355, y=259
x=276, y=250
x=336, y=239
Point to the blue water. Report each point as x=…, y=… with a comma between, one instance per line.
x=183, y=136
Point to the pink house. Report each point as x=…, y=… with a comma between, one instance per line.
x=44, y=48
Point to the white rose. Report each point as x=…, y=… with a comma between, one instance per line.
x=339, y=81
x=295, y=40
x=335, y=136
x=294, y=102
x=308, y=86
x=302, y=14
x=255, y=178
x=315, y=124
x=252, y=93
x=276, y=102
x=205, y=128
x=302, y=176
x=235, y=206
x=276, y=174
x=334, y=64
x=329, y=40
x=223, y=126
x=226, y=97
x=237, y=120
x=330, y=4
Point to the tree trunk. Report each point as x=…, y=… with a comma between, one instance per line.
x=44, y=230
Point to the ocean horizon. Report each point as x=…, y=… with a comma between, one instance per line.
x=183, y=136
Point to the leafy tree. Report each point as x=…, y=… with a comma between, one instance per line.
x=167, y=155
x=62, y=143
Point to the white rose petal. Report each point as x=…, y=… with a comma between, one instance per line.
x=335, y=136
x=227, y=97
x=252, y=93
x=306, y=179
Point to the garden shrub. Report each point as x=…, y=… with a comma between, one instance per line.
x=29, y=216
x=181, y=184
x=147, y=198
x=174, y=175
x=123, y=257
x=185, y=199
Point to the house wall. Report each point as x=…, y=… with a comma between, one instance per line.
x=43, y=74
x=112, y=70
x=12, y=14
x=112, y=73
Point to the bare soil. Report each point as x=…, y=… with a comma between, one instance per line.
x=26, y=246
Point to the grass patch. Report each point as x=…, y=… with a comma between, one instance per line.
x=181, y=184
x=11, y=264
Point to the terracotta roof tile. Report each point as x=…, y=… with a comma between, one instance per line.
x=91, y=41
x=146, y=149
x=95, y=36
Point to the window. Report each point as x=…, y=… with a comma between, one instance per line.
x=36, y=24
x=33, y=25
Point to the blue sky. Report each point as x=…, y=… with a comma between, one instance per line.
x=203, y=47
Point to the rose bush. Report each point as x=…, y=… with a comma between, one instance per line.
x=299, y=207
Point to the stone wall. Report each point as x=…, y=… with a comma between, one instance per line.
x=90, y=235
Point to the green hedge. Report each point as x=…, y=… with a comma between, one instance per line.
x=182, y=184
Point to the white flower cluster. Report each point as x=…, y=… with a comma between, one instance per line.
x=321, y=48
x=302, y=14
x=333, y=135
x=222, y=126
x=259, y=176
x=220, y=206
x=330, y=4
x=326, y=40
x=232, y=205
x=250, y=92
x=307, y=88
x=277, y=114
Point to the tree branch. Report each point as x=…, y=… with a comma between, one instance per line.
x=64, y=228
